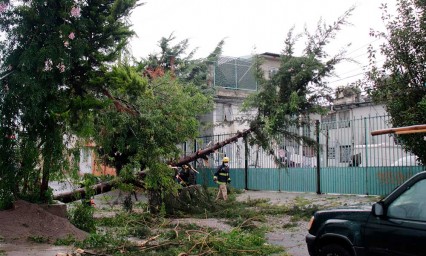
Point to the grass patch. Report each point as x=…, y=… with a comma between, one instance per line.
x=68, y=240
x=38, y=239
x=290, y=225
x=302, y=213
x=246, y=224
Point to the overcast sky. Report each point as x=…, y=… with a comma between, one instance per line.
x=254, y=26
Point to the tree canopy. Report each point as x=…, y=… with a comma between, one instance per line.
x=400, y=84
x=51, y=51
x=298, y=88
x=64, y=85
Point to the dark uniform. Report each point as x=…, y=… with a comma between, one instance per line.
x=221, y=177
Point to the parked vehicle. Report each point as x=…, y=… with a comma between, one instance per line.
x=396, y=225
x=406, y=161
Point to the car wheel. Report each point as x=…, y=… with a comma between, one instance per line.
x=334, y=250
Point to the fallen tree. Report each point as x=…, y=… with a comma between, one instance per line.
x=204, y=152
x=107, y=186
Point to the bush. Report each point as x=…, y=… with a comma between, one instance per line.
x=82, y=217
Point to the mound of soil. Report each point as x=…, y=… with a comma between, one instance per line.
x=30, y=220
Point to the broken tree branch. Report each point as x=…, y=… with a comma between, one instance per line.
x=204, y=152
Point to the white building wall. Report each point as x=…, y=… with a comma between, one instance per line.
x=86, y=160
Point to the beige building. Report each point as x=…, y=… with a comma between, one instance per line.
x=234, y=80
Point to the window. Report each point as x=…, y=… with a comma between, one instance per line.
x=410, y=205
x=306, y=131
x=328, y=121
x=345, y=154
x=228, y=114
x=308, y=151
x=331, y=153
x=272, y=72
x=344, y=117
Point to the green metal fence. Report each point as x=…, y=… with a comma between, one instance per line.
x=351, y=161
x=358, y=180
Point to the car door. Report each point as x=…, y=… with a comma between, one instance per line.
x=402, y=229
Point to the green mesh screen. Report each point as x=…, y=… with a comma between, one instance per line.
x=235, y=73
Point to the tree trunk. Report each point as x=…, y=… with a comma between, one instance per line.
x=155, y=200
x=154, y=196
x=44, y=184
x=204, y=152
x=77, y=194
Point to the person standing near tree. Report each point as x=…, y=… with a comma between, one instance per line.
x=184, y=175
x=222, y=178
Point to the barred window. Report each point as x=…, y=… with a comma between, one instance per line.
x=331, y=154
x=345, y=154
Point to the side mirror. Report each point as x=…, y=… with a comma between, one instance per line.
x=378, y=209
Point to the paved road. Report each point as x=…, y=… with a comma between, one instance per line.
x=294, y=238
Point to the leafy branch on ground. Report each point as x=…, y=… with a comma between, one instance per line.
x=139, y=231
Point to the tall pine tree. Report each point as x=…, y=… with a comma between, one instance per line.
x=51, y=51
x=298, y=89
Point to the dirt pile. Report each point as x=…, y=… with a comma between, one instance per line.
x=28, y=220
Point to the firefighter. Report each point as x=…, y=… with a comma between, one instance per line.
x=222, y=178
x=183, y=176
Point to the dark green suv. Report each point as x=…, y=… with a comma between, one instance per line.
x=395, y=225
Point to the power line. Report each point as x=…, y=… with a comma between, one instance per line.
x=359, y=48
x=346, y=78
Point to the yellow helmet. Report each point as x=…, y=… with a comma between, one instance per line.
x=225, y=159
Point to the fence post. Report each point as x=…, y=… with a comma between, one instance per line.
x=317, y=131
x=195, y=150
x=236, y=73
x=245, y=163
x=366, y=155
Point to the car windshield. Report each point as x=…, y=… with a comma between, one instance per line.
x=411, y=204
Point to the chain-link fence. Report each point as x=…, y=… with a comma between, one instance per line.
x=235, y=73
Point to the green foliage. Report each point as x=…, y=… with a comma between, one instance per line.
x=140, y=232
x=38, y=239
x=156, y=117
x=246, y=224
x=128, y=204
x=304, y=213
x=164, y=236
x=189, y=200
x=6, y=199
x=81, y=216
x=68, y=240
x=174, y=59
x=51, y=51
x=400, y=84
x=243, y=243
x=298, y=89
x=103, y=241
x=137, y=225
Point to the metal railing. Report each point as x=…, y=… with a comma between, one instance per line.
x=349, y=160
